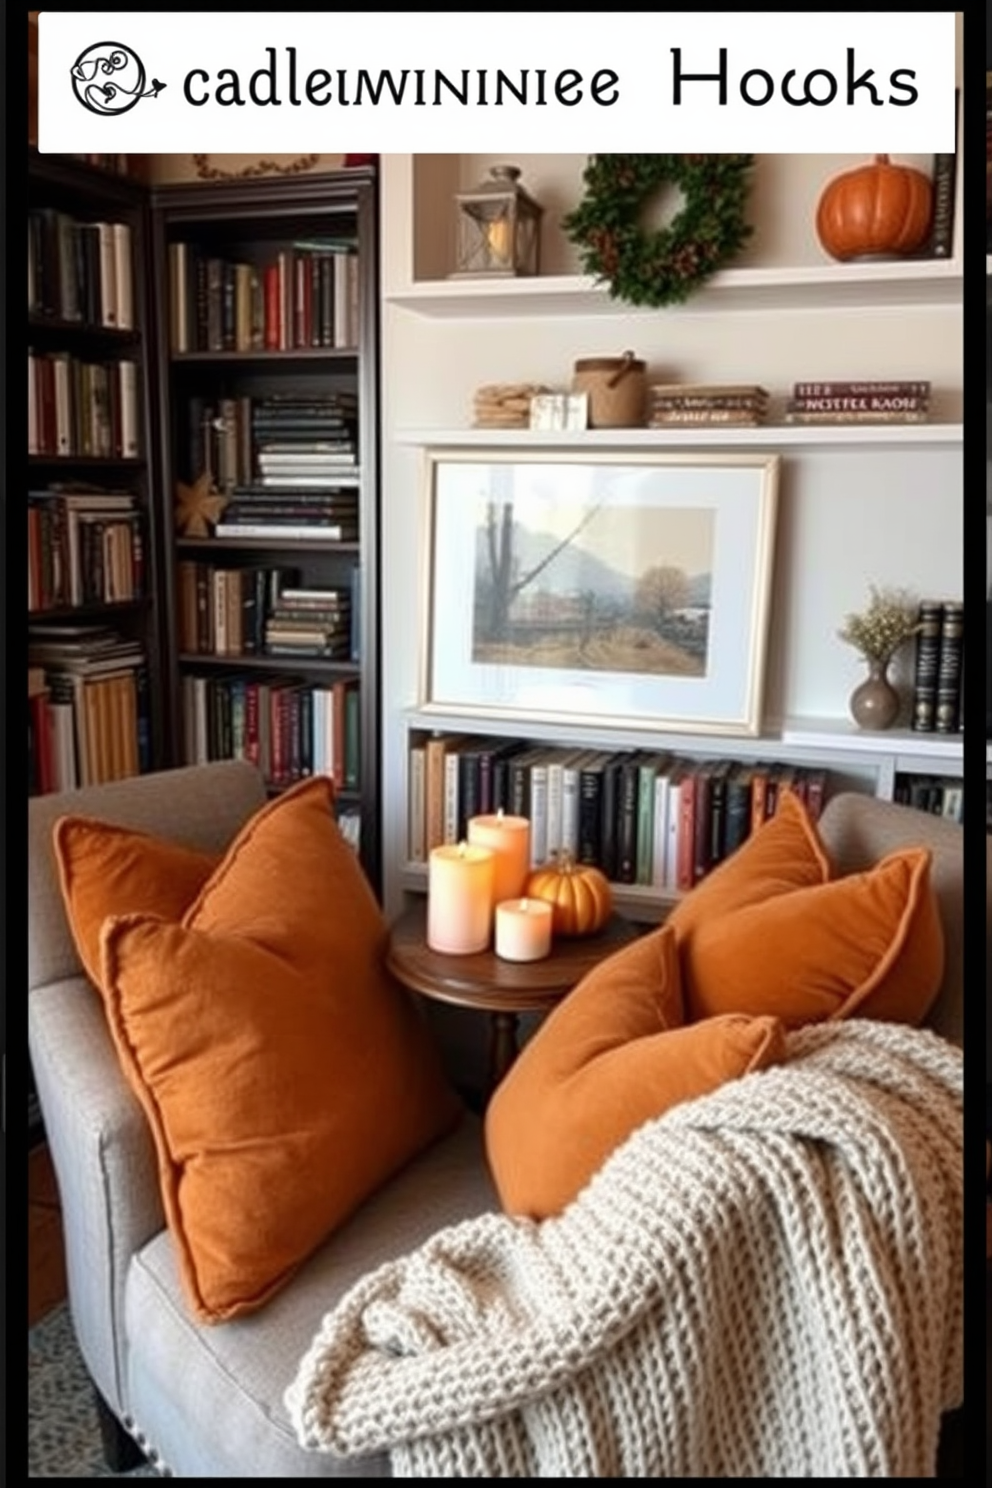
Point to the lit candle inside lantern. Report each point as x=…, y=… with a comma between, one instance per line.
x=523, y=929
x=460, y=898
x=509, y=839
x=499, y=239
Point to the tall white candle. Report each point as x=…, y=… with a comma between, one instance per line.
x=509, y=838
x=523, y=929
x=460, y=898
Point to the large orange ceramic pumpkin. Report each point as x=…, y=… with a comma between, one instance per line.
x=579, y=895
x=879, y=208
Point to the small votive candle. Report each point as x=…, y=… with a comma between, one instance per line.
x=523, y=929
x=509, y=838
x=460, y=898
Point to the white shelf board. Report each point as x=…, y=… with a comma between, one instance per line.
x=803, y=740
x=767, y=436
x=832, y=735
x=809, y=286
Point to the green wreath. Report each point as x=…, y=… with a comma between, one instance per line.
x=659, y=268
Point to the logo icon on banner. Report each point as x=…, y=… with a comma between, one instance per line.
x=109, y=78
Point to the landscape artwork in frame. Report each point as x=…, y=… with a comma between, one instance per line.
x=628, y=589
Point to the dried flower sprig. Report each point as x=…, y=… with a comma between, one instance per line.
x=890, y=620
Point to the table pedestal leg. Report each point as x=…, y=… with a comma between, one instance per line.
x=502, y=1045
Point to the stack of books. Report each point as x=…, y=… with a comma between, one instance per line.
x=85, y=546
x=306, y=456
x=872, y=402
x=939, y=667
x=687, y=404
x=97, y=703
x=80, y=271
x=311, y=623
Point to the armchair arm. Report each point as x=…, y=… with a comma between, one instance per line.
x=104, y=1160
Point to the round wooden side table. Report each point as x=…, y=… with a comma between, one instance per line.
x=485, y=982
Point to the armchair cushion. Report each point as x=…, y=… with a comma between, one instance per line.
x=609, y=1057
x=283, y=1072
x=785, y=853
x=869, y=944
x=105, y=869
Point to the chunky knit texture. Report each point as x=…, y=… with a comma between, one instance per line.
x=764, y=1282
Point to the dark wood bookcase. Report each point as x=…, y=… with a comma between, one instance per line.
x=63, y=194
x=86, y=194
x=214, y=372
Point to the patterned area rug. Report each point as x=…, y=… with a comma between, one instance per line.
x=63, y=1432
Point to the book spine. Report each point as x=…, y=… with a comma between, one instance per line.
x=947, y=711
x=702, y=828
x=861, y=403
x=417, y=803
x=570, y=809
x=645, y=824
x=926, y=664
x=538, y=812
x=556, y=770
x=591, y=814
x=609, y=861
x=685, y=867
x=899, y=387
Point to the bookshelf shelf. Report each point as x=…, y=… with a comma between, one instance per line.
x=804, y=740
x=319, y=354
x=206, y=545
x=46, y=325
x=84, y=462
x=768, y=436
x=263, y=663
x=917, y=282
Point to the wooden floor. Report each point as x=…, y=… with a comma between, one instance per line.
x=46, y=1262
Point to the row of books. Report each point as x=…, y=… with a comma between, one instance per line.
x=744, y=405
x=88, y=708
x=287, y=727
x=80, y=271
x=939, y=794
x=306, y=296
x=938, y=674
x=901, y=401
x=644, y=817
x=78, y=407
x=264, y=611
x=276, y=440
x=84, y=547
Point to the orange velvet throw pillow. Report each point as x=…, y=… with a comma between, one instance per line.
x=284, y=1073
x=869, y=945
x=609, y=1057
x=784, y=854
x=110, y=870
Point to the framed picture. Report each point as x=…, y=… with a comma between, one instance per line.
x=618, y=589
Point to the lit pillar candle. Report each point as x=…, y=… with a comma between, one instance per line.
x=460, y=898
x=509, y=838
x=523, y=929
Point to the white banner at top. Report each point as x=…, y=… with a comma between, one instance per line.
x=355, y=81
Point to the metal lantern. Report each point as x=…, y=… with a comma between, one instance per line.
x=498, y=228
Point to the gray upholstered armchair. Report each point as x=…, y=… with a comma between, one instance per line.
x=208, y=1401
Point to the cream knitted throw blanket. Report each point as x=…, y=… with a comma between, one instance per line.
x=765, y=1282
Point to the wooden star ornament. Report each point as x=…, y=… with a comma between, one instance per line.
x=198, y=507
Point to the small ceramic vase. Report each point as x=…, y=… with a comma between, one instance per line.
x=875, y=702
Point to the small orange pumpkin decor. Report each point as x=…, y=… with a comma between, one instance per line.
x=879, y=209
x=579, y=895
